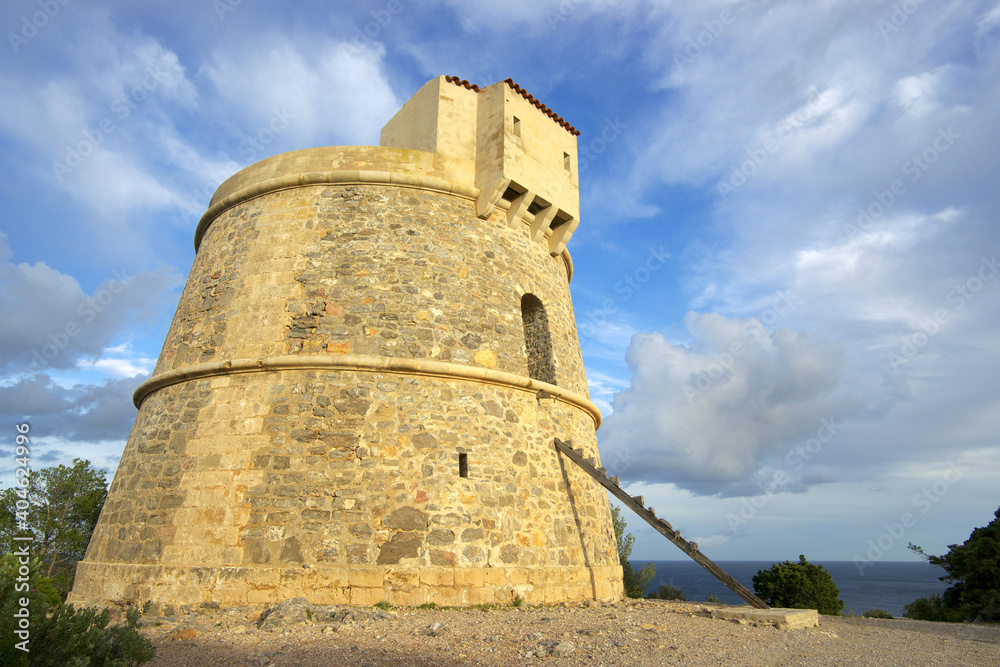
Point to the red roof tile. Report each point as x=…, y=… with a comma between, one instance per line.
x=544, y=109
x=525, y=94
x=465, y=84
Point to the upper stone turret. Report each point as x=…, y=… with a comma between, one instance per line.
x=508, y=144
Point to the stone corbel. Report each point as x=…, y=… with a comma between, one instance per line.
x=489, y=197
x=518, y=209
x=561, y=235
x=542, y=221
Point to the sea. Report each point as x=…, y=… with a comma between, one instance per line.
x=882, y=585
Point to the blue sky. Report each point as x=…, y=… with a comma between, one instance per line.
x=785, y=273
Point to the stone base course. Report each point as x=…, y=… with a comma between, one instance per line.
x=118, y=583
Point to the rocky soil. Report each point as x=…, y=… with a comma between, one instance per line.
x=633, y=633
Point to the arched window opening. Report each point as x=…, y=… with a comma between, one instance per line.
x=537, y=341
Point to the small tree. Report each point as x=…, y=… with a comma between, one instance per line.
x=635, y=582
x=974, y=570
x=60, y=634
x=801, y=585
x=64, y=504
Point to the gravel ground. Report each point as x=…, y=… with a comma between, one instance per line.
x=633, y=633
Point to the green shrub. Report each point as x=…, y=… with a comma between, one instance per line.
x=61, y=635
x=932, y=608
x=711, y=598
x=973, y=569
x=801, y=585
x=668, y=592
x=878, y=613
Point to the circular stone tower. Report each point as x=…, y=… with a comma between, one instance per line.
x=358, y=395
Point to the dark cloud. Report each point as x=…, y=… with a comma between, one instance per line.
x=50, y=322
x=84, y=413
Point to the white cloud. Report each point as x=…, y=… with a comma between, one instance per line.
x=707, y=415
x=712, y=541
x=120, y=362
x=539, y=16
x=329, y=90
x=602, y=389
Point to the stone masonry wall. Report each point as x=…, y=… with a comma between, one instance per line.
x=377, y=270
x=343, y=485
x=335, y=471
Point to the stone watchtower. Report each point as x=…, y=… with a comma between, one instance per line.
x=358, y=395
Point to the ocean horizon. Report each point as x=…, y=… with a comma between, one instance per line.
x=887, y=585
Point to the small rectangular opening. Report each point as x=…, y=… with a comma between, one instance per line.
x=463, y=465
x=510, y=194
x=517, y=126
x=566, y=164
x=537, y=204
x=560, y=219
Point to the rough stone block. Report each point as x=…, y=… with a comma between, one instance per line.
x=437, y=576
x=365, y=577
x=470, y=577
x=365, y=597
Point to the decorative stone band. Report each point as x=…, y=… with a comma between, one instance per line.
x=365, y=364
x=349, y=177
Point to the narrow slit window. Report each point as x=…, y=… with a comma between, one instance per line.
x=463, y=465
x=566, y=163
x=537, y=340
x=517, y=126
